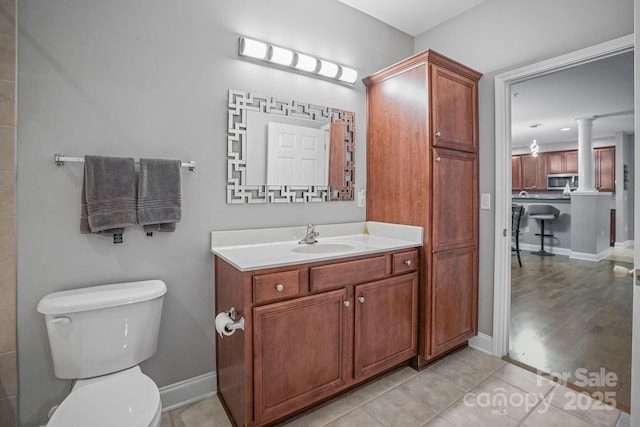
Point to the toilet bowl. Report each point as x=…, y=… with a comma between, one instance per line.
x=98, y=336
x=127, y=398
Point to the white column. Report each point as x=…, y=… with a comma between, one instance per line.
x=586, y=164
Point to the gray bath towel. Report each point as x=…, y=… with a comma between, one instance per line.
x=108, y=195
x=159, y=194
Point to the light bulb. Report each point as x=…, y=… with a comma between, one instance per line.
x=328, y=69
x=348, y=75
x=306, y=62
x=281, y=55
x=253, y=48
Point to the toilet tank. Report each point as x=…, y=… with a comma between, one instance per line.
x=102, y=329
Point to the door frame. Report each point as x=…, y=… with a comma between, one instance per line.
x=502, y=250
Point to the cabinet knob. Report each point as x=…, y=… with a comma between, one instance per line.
x=346, y=303
x=408, y=262
x=361, y=299
x=279, y=287
x=438, y=159
x=438, y=133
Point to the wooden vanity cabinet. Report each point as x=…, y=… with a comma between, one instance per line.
x=422, y=169
x=312, y=331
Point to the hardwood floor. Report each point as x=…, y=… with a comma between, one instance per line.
x=573, y=318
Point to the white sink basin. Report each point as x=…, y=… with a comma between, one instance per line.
x=324, y=248
x=248, y=250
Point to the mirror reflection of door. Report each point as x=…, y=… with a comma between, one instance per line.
x=296, y=155
x=337, y=154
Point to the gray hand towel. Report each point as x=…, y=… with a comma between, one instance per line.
x=159, y=194
x=108, y=195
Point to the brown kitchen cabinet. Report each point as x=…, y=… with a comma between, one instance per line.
x=534, y=172
x=312, y=331
x=605, y=168
x=516, y=173
x=422, y=169
x=562, y=162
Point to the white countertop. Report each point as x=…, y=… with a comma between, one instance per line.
x=275, y=247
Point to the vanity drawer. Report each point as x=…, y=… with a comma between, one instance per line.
x=347, y=273
x=274, y=286
x=405, y=262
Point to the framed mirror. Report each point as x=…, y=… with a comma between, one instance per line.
x=281, y=151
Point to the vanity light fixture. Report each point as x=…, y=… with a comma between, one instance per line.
x=295, y=61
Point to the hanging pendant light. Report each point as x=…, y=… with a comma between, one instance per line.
x=534, y=148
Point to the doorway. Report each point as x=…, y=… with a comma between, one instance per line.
x=502, y=271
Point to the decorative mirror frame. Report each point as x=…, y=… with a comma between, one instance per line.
x=241, y=102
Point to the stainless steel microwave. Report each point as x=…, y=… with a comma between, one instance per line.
x=558, y=181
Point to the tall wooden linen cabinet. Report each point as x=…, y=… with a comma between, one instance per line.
x=422, y=169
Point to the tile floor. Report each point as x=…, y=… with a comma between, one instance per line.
x=468, y=388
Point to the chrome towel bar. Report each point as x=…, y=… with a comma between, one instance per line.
x=59, y=160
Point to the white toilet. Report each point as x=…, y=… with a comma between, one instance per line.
x=98, y=336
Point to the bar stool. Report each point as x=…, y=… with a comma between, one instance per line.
x=541, y=212
x=517, y=211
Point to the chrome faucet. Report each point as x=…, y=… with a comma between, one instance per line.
x=311, y=235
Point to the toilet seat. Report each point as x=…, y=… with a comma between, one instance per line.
x=127, y=398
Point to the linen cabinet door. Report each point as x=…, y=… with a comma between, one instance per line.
x=386, y=322
x=300, y=353
x=454, y=299
x=454, y=105
x=455, y=200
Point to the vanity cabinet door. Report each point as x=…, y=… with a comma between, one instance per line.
x=386, y=321
x=300, y=353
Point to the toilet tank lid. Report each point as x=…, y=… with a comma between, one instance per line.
x=102, y=296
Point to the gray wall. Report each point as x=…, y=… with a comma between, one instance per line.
x=500, y=35
x=624, y=196
x=150, y=78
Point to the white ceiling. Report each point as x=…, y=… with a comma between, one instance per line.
x=412, y=16
x=601, y=88
x=555, y=101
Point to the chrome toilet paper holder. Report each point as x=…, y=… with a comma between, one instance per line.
x=237, y=323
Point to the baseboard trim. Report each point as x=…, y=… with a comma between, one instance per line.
x=552, y=249
x=188, y=391
x=483, y=343
x=584, y=256
x=625, y=244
